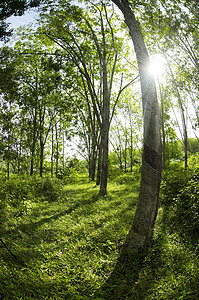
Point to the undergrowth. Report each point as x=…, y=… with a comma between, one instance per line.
x=65, y=241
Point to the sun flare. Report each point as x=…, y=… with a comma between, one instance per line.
x=157, y=65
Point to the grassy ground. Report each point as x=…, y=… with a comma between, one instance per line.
x=67, y=242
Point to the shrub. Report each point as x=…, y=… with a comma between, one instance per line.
x=3, y=204
x=15, y=194
x=173, y=181
x=124, y=178
x=128, y=178
x=180, y=198
x=47, y=188
x=186, y=209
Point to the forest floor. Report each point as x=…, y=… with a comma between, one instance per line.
x=65, y=242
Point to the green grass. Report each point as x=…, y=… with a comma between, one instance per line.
x=68, y=247
x=68, y=243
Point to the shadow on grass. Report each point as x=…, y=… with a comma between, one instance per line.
x=124, y=279
x=33, y=288
x=122, y=284
x=30, y=236
x=33, y=225
x=167, y=270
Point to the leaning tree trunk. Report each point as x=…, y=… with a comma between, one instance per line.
x=142, y=228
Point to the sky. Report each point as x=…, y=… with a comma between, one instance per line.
x=17, y=21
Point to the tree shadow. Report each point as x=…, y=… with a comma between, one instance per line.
x=33, y=225
x=124, y=279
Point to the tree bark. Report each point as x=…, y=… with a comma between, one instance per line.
x=105, y=128
x=99, y=165
x=35, y=112
x=141, y=231
x=93, y=164
x=125, y=152
x=131, y=148
x=52, y=153
x=41, y=157
x=63, y=154
x=163, y=130
x=57, y=150
x=8, y=169
x=104, y=172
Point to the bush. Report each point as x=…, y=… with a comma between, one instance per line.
x=3, y=204
x=180, y=198
x=15, y=194
x=47, y=188
x=128, y=178
x=124, y=178
x=173, y=181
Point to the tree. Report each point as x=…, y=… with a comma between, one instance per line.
x=9, y=133
x=175, y=31
x=89, y=42
x=141, y=231
x=126, y=130
x=36, y=85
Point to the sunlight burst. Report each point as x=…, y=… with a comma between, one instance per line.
x=157, y=65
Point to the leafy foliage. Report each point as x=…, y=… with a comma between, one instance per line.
x=180, y=198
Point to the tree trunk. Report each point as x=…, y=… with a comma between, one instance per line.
x=104, y=173
x=19, y=158
x=8, y=169
x=99, y=166
x=93, y=167
x=34, y=126
x=180, y=103
x=92, y=159
x=131, y=148
x=125, y=153
x=105, y=130
x=33, y=143
x=41, y=157
x=52, y=153
x=63, y=162
x=163, y=131
x=57, y=150
x=141, y=231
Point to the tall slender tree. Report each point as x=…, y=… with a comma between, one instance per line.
x=90, y=43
